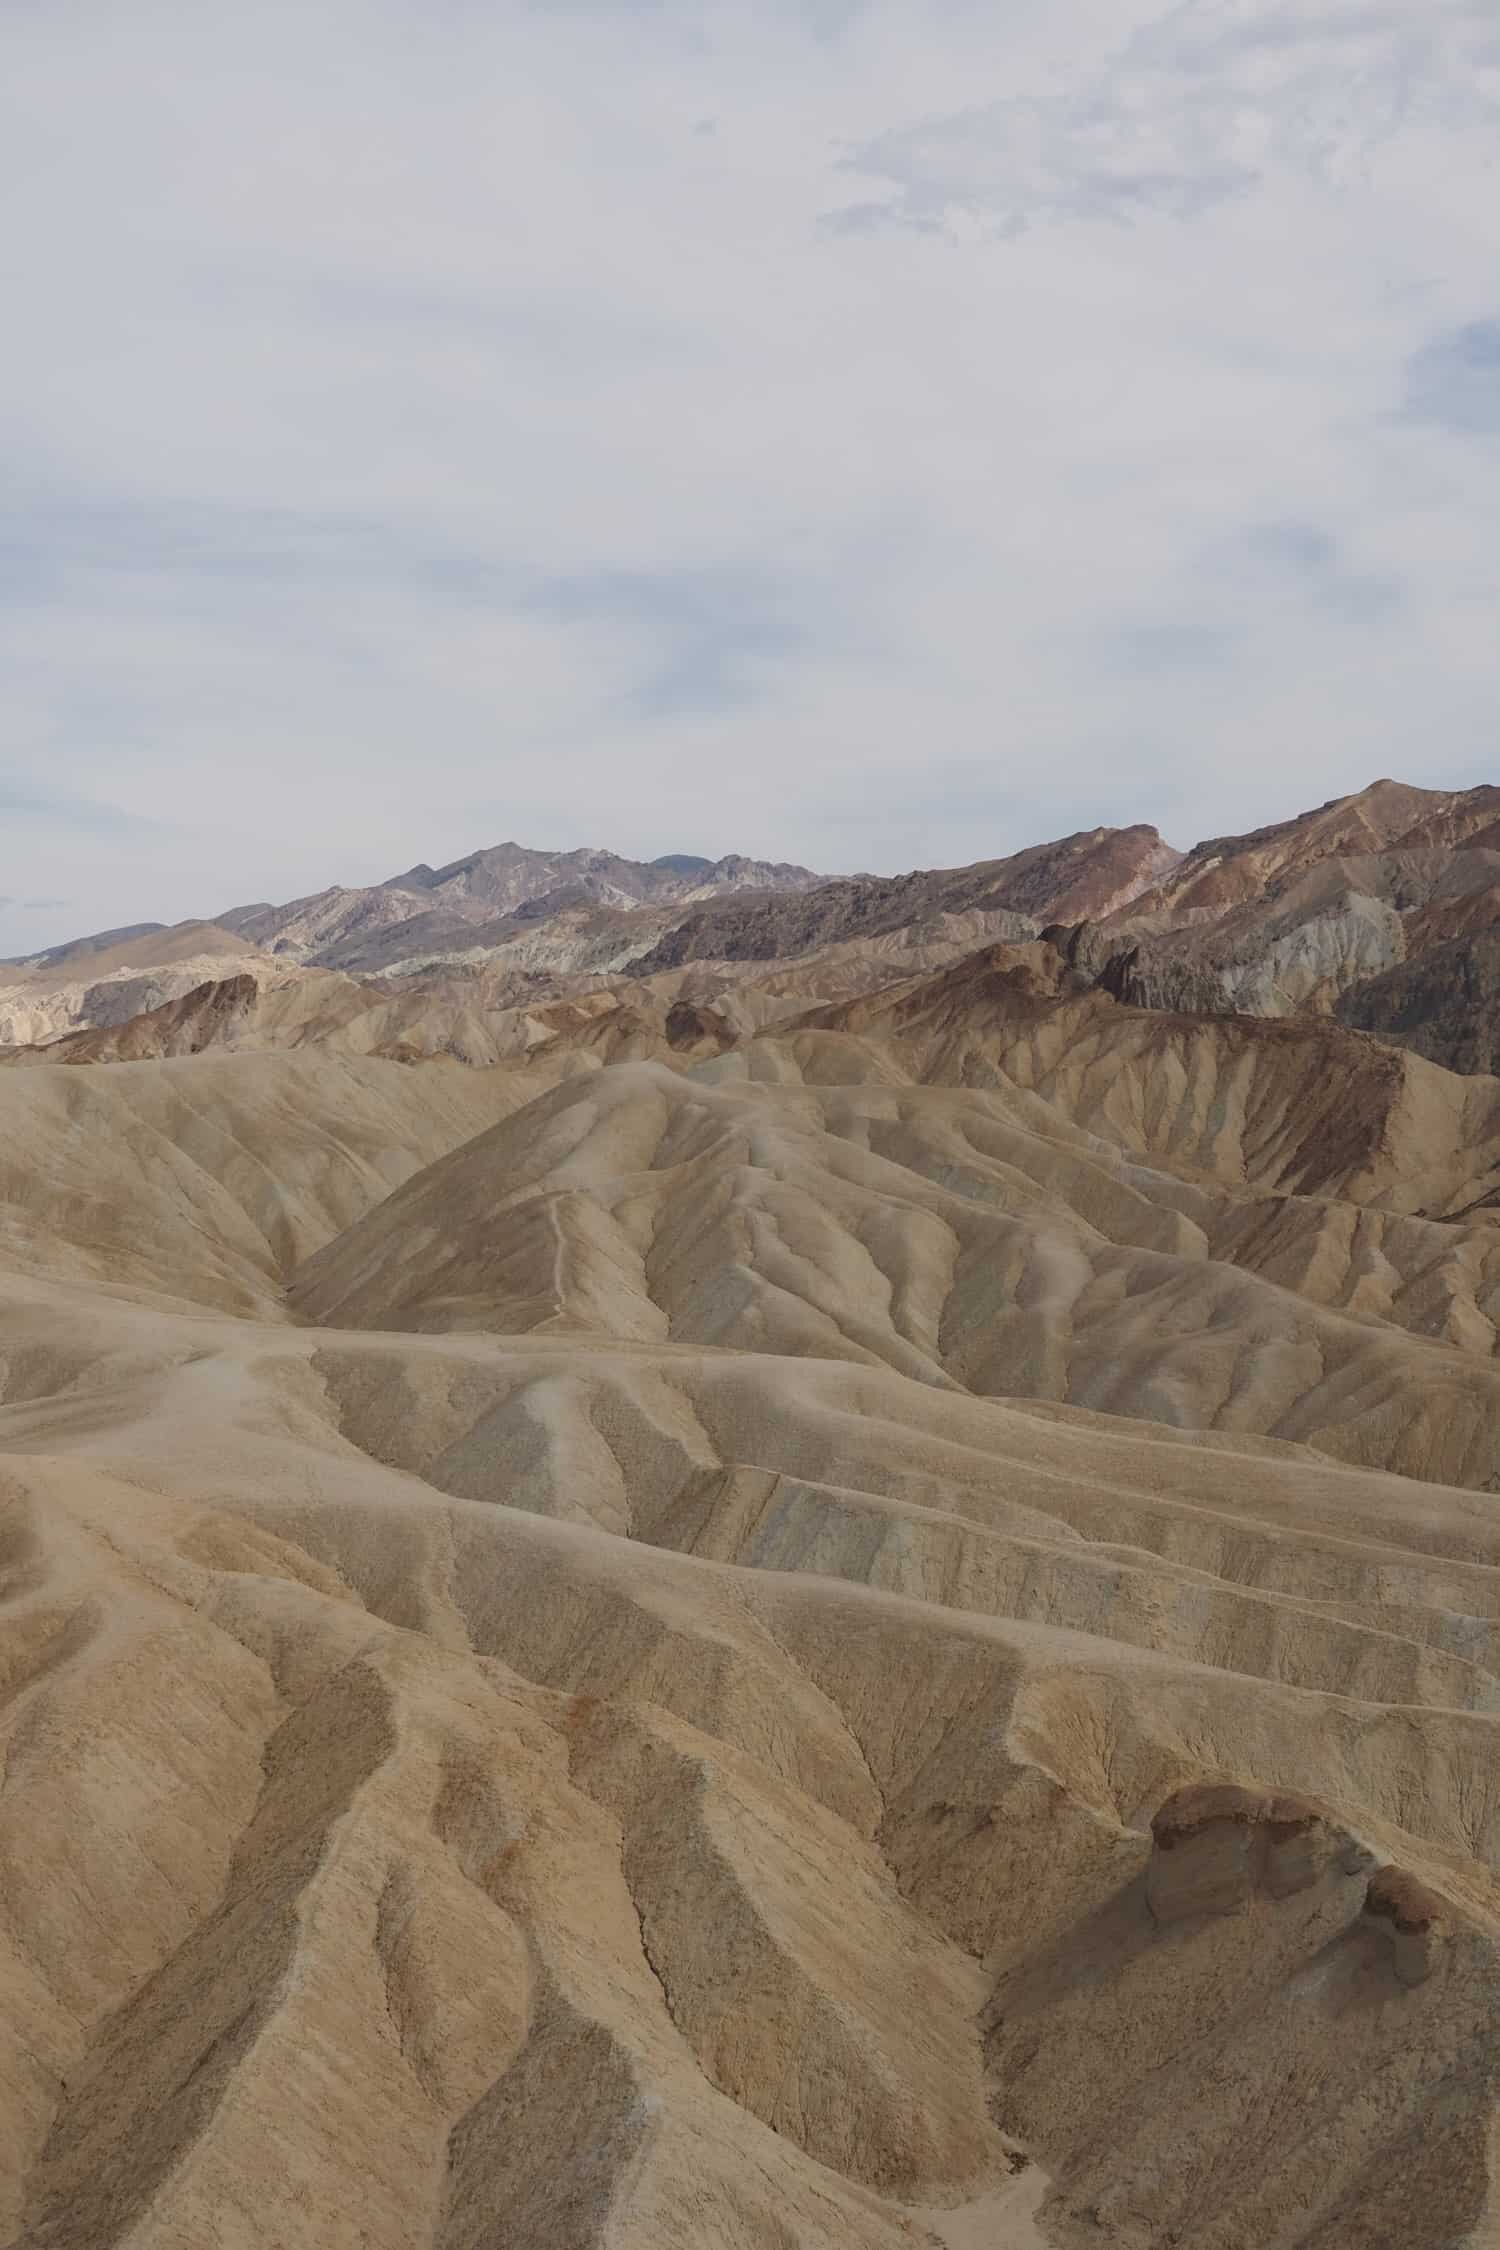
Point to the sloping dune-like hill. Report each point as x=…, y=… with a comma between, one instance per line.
x=844, y=1603
x=803, y=1196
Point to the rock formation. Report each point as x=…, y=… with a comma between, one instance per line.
x=1216, y=1846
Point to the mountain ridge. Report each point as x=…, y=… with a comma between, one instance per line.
x=1331, y=912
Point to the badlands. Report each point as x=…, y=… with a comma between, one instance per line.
x=693, y=1557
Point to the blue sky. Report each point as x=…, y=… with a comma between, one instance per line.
x=874, y=435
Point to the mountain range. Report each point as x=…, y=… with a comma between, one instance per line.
x=1336, y=912
x=694, y=1555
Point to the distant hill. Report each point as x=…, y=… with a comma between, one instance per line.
x=1381, y=908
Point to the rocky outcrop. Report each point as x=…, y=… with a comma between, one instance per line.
x=1446, y=1007
x=1378, y=907
x=1216, y=1845
x=1296, y=959
x=1415, y=1918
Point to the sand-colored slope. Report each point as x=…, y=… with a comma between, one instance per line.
x=1285, y=1106
x=210, y=1178
x=394, y=1867
x=515, y=1003
x=454, y=1018
x=964, y=1238
x=580, y=1664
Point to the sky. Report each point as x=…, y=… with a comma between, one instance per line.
x=870, y=435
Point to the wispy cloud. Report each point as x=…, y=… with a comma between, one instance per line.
x=1199, y=105
x=713, y=635
x=28, y=801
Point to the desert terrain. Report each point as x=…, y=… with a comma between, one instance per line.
x=695, y=1557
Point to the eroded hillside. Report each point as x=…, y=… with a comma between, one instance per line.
x=839, y=1601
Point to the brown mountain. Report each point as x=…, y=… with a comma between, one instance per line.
x=1090, y=874
x=1387, y=818
x=1302, y=916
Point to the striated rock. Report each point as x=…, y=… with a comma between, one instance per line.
x=1445, y=1006
x=1254, y=964
x=1336, y=910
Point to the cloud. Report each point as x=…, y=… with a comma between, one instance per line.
x=1301, y=564
x=1454, y=380
x=1199, y=105
x=420, y=431
x=712, y=633
x=23, y=800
